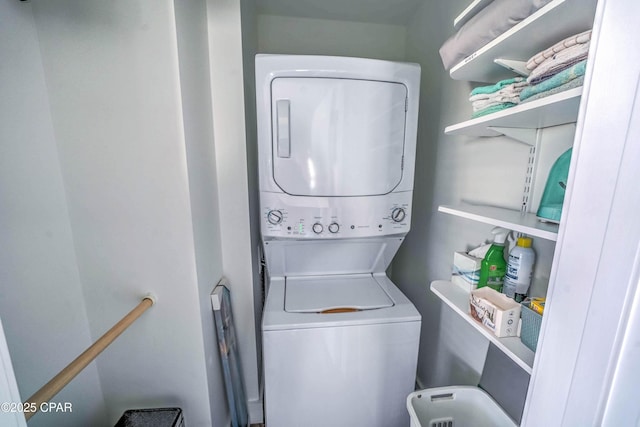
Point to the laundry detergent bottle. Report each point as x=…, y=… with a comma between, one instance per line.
x=517, y=279
x=493, y=267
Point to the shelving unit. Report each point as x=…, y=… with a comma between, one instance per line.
x=553, y=110
x=471, y=10
x=555, y=21
x=521, y=222
x=458, y=299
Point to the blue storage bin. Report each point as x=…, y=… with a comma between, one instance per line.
x=530, y=326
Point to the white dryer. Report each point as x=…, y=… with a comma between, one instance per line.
x=336, y=141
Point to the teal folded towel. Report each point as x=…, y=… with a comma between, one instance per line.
x=573, y=83
x=559, y=79
x=493, y=109
x=518, y=81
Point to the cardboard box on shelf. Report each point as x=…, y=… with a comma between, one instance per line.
x=496, y=311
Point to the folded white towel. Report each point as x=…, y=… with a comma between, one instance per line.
x=485, y=103
x=539, y=57
x=512, y=89
x=558, y=62
x=508, y=94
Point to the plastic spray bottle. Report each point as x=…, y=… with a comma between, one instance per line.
x=493, y=266
x=519, y=270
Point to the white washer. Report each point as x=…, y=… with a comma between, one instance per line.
x=336, y=141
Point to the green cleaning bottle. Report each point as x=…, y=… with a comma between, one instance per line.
x=493, y=267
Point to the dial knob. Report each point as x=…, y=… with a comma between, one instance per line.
x=317, y=228
x=398, y=214
x=334, y=227
x=275, y=217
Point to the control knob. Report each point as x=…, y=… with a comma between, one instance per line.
x=275, y=217
x=398, y=214
x=334, y=227
x=317, y=228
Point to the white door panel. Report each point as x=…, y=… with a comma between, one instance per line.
x=10, y=416
x=337, y=137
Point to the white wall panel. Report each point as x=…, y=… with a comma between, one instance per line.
x=41, y=295
x=227, y=92
x=113, y=81
x=193, y=54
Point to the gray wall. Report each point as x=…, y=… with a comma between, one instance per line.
x=108, y=176
x=450, y=351
x=293, y=35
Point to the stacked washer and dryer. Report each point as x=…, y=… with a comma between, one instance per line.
x=337, y=141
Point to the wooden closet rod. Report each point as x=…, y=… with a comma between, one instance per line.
x=65, y=376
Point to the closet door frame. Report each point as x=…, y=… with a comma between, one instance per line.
x=582, y=374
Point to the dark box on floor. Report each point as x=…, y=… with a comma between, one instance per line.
x=160, y=417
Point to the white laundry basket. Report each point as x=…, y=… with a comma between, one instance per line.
x=461, y=406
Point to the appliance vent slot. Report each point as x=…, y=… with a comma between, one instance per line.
x=442, y=422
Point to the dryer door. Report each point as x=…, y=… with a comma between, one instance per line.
x=337, y=137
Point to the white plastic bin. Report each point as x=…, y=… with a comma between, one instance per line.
x=460, y=406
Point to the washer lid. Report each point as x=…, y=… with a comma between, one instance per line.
x=318, y=294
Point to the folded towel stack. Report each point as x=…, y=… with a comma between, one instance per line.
x=496, y=97
x=558, y=68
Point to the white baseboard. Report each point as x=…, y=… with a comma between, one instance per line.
x=256, y=413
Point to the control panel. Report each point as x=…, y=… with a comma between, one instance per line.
x=338, y=217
